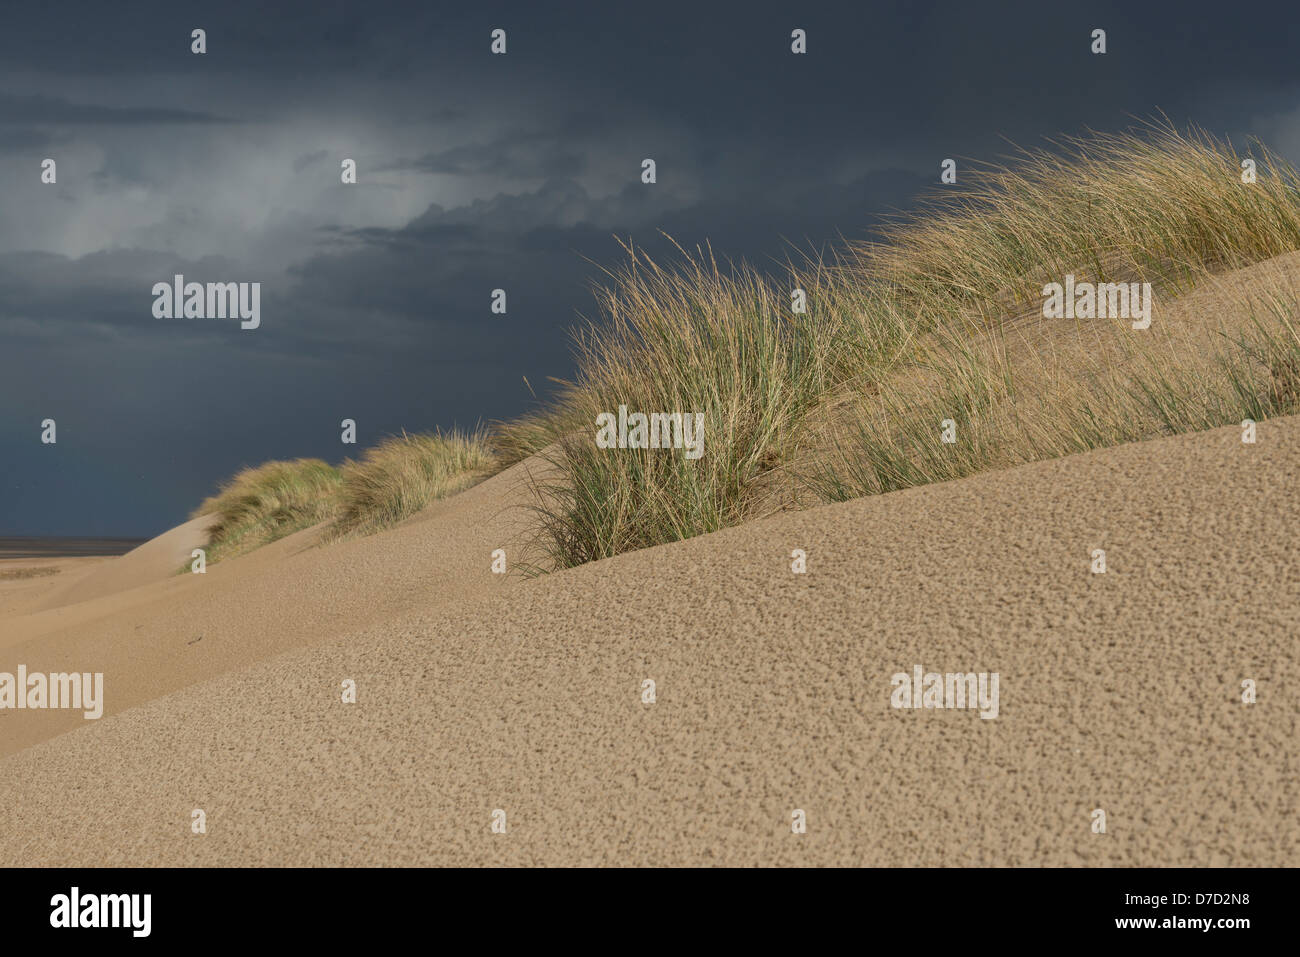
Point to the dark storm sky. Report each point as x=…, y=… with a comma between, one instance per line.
x=476, y=172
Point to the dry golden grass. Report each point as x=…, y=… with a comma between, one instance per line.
x=930, y=324
x=262, y=504
x=403, y=474
x=516, y=439
x=939, y=320
x=1160, y=206
x=391, y=482
x=695, y=339
x=1227, y=352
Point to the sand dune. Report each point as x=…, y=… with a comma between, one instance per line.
x=1119, y=691
x=25, y=582
x=155, y=639
x=156, y=560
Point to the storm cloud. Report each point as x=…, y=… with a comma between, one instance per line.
x=476, y=172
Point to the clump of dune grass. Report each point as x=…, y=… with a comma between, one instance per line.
x=1158, y=204
x=697, y=338
x=262, y=504
x=1000, y=412
x=405, y=473
x=845, y=393
x=391, y=482
x=516, y=439
x=908, y=331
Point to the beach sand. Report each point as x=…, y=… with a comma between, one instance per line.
x=477, y=692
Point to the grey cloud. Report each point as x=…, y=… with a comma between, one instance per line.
x=38, y=110
x=514, y=161
x=384, y=310
x=18, y=139
x=308, y=159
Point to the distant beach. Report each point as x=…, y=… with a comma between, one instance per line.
x=65, y=547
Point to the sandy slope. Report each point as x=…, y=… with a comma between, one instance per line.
x=154, y=561
x=1118, y=691
x=25, y=583
x=155, y=639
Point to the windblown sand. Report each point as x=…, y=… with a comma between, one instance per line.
x=476, y=692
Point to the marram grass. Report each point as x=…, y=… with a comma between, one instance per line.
x=906, y=332
x=403, y=474
x=391, y=482
x=845, y=397
x=262, y=504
